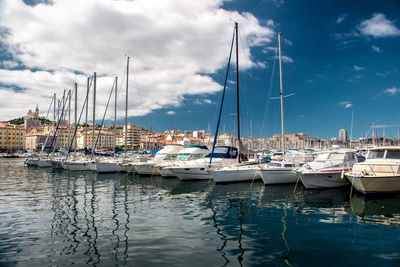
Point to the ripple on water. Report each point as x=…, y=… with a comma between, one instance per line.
x=61, y=218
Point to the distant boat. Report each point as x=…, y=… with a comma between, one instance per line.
x=326, y=169
x=380, y=173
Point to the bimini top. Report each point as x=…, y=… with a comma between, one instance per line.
x=226, y=152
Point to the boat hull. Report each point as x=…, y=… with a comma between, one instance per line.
x=44, y=164
x=32, y=162
x=147, y=169
x=190, y=174
x=322, y=180
x=108, y=167
x=235, y=175
x=278, y=176
x=371, y=184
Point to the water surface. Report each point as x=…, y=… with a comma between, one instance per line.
x=61, y=218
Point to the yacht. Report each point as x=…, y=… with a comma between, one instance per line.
x=169, y=152
x=283, y=172
x=240, y=172
x=380, y=173
x=190, y=152
x=199, y=169
x=326, y=169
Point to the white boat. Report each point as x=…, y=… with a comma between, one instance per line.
x=326, y=169
x=32, y=162
x=169, y=152
x=283, y=172
x=44, y=163
x=191, y=152
x=107, y=165
x=79, y=164
x=241, y=172
x=199, y=169
x=380, y=173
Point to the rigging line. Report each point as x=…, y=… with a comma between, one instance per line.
x=101, y=125
x=267, y=104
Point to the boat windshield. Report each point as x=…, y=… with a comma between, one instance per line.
x=393, y=154
x=336, y=156
x=330, y=156
x=188, y=156
x=376, y=154
x=322, y=156
x=170, y=157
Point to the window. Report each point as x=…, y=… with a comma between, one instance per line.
x=393, y=154
x=322, y=156
x=376, y=154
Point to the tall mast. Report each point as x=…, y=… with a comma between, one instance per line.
x=126, y=105
x=280, y=78
x=94, y=111
x=54, y=115
x=115, y=113
x=76, y=112
x=373, y=133
x=87, y=103
x=237, y=90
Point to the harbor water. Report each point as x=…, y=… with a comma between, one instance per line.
x=62, y=218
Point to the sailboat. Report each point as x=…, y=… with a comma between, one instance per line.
x=246, y=171
x=282, y=172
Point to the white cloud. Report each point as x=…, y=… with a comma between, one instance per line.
x=383, y=74
x=341, y=18
x=378, y=26
x=8, y=64
x=358, y=68
x=346, y=104
x=171, y=112
x=174, y=45
x=208, y=101
x=392, y=91
x=376, y=49
x=287, y=59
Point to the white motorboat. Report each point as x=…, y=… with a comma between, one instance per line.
x=79, y=164
x=169, y=152
x=283, y=172
x=199, y=169
x=107, y=165
x=326, y=169
x=44, y=163
x=240, y=172
x=380, y=173
x=32, y=161
x=190, y=152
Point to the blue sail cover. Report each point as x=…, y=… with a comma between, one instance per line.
x=226, y=152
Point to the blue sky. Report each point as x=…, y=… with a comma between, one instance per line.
x=340, y=58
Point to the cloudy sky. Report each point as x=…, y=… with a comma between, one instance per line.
x=340, y=59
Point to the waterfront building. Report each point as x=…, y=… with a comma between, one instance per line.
x=105, y=141
x=133, y=135
x=343, y=136
x=11, y=137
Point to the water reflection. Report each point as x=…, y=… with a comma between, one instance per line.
x=384, y=210
x=62, y=218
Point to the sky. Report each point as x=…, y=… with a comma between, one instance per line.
x=340, y=62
